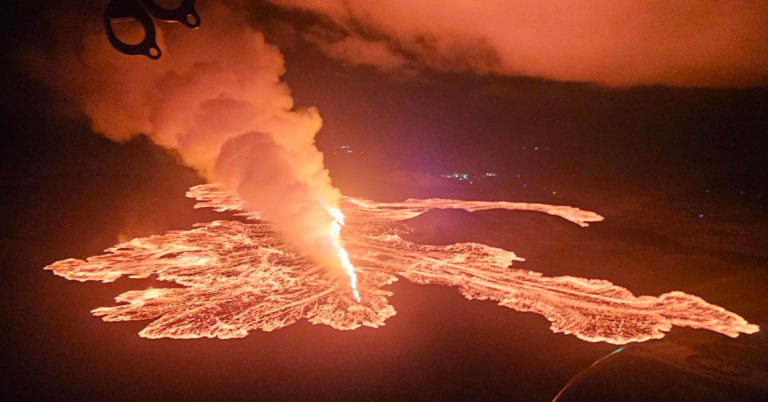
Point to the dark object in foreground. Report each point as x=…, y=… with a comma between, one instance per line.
x=142, y=11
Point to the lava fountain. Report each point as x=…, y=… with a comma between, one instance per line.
x=238, y=276
x=338, y=222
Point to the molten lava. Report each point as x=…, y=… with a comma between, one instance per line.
x=239, y=276
x=336, y=225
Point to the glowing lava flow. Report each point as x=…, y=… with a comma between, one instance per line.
x=239, y=276
x=336, y=225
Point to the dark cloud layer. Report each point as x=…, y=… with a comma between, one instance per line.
x=687, y=43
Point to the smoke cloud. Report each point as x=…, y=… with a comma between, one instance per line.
x=216, y=99
x=688, y=43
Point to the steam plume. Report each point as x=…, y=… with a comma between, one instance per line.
x=216, y=98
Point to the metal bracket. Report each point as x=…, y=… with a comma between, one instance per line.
x=185, y=13
x=142, y=11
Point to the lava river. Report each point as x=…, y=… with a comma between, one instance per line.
x=237, y=276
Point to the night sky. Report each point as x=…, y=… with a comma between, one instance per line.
x=677, y=167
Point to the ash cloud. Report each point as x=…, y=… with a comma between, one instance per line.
x=685, y=43
x=215, y=98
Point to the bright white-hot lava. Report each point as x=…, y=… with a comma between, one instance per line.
x=338, y=222
x=238, y=276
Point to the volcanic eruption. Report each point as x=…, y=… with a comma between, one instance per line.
x=239, y=276
x=216, y=99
